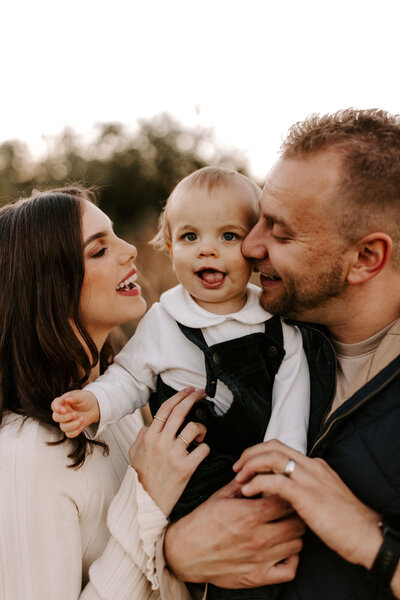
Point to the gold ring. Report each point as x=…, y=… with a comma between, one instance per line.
x=160, y=419
x=183, y=441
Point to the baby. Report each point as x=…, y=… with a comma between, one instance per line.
x=209, y=332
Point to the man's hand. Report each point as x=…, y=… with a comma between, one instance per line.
x=317, y=494
x=74, y=411
x=235, y=542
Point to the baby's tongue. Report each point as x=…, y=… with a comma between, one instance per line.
x=211, y=276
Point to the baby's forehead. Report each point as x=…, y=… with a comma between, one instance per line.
x=188, y=195
x=222, y=206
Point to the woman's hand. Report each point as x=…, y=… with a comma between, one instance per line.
x=317, y=494
x=161, y=458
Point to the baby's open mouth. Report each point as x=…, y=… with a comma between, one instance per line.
x=210, y=275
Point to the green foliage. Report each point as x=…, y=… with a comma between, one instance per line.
x=133, y=172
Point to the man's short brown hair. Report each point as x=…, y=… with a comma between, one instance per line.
x=368, y=144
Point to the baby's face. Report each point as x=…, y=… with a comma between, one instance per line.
x=207, y=230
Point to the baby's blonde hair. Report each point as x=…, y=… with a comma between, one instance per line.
x=208, y=178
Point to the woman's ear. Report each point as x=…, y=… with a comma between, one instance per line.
x=371, y=255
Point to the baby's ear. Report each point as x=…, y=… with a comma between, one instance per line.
x=169, y=248
x=371, y=256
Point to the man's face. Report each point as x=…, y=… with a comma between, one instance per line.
x=299, y=253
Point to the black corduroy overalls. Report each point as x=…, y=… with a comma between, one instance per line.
x=247, y=366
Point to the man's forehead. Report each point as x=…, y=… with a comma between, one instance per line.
x=301, y=182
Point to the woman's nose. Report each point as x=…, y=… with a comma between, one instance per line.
x=128, y=252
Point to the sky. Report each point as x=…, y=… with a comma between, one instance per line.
x=247, y=69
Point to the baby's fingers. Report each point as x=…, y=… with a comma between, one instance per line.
x=58, y=406
x=72, y=428
x=65, y=416
x=63, y=405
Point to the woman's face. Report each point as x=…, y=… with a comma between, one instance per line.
x=110, y=295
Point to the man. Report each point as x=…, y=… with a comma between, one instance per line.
x=328, y=250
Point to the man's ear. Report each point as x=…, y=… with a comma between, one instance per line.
x=371, y=254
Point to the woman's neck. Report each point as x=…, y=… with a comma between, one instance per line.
x=94, y=373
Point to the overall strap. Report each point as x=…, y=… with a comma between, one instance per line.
x=247, y=366
x=196, y=337
x=269, y=345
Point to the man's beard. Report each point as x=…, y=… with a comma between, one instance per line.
x=302, y=295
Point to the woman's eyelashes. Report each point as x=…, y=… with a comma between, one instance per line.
x=99, y=253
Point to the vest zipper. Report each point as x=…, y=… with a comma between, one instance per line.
x=354, y=408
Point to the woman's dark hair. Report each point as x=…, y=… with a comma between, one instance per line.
x=41, y=276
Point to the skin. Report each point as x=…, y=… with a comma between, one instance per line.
x=108, y=261
x=234, y=542
x=160, y=458
x=321, y=278
x=301, y=258
x=296, y=242
x=312, y=483
x=162, y=462
x=207, y=230
x=251, y=542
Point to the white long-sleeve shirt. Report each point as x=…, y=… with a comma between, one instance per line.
x=91, y=533
x=160, y=348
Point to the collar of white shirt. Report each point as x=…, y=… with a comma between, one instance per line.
x=179, y=304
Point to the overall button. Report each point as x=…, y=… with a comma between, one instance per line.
x=271, y=352
x=201, y=414
x=216, y=358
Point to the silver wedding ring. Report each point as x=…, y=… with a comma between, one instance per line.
x=290, y=467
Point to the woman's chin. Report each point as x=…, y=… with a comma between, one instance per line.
x=139, y=309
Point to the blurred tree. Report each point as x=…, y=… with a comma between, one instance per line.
x=133, y=172
x=16, y=169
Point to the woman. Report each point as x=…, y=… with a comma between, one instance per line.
x=65, y=281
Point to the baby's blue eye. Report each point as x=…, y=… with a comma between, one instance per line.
x=229, y=236
x=190, y=236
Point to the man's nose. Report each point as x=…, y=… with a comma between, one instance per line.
x=254, y=244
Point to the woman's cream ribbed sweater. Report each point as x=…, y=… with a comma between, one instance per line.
x=54, y=540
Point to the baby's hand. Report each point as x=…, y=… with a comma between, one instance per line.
x=75, y=410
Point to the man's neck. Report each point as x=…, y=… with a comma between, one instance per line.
x=354, y=333
x=363, y=317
